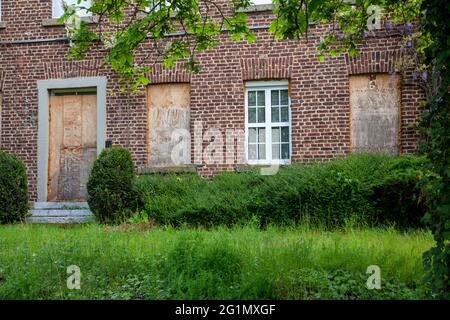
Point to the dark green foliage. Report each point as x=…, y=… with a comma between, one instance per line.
x=363, y=189
x=436, y=127
x=398, y=196
x=13, y=189
x=110, y=186
x=308, y=283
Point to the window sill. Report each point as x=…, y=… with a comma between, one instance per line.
x=56, y=22
x=257, y=8
x=141, y=15
x=252, y=166
x=188, y=168
x=264, y=163
x=2, y=25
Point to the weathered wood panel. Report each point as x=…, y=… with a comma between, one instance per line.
x=72, y=145
x=168, y=110
x=56, y=129
x=89, y=155
x=375, y=105
x=89, y=120
x=72, y=125
x=70, y=174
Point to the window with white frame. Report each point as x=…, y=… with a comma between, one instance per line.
x=157, y=5
x=260, y=2
x=58, y=7
x=268, y=124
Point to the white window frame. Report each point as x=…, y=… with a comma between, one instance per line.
x=260, y=2
x=156, y=8
x=58, y=9
x=268, y=124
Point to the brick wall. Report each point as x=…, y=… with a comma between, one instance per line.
x=319, y=91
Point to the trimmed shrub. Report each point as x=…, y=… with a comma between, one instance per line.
x=13, y=189
x=112, y=196
x=360, y=189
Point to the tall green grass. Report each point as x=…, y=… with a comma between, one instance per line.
x=238, y=263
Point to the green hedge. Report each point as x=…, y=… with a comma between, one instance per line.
x=13, y=189
x=362, y=189
x=110, y=186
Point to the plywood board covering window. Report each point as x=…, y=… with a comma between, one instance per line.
x=72, y=145
x=168, y=124
x=375, y=105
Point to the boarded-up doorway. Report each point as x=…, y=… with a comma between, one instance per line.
x=168, y=110
x=375, y=105
x=72, y=143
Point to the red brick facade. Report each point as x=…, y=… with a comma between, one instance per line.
x=319, y=91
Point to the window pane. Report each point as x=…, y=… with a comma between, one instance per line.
x=285, y=151
x=261, y=151
x=252, y=115
x=275, y=98
x=284, y=97
x=275, y=151
x=256, y=2
x=251, y=98
x=275, y=134
x=284, y=114
x=261, y=115
x=261, y=98
x=261, y=135
x=285, y=134
x=275, y=114
x=58, y=9
x=252, y=151
x=279, y=139
x=252, y=135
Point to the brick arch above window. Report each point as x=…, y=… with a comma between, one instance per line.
x=161, y=74
x=72, y=69
x=266, y=68
x=372, y=62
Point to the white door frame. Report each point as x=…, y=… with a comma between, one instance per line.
x=44, y=87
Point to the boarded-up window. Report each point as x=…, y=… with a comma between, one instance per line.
x=375, y=104
x=168, y=124
x=72, y=145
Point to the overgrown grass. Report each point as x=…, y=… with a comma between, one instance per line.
x=239, y=263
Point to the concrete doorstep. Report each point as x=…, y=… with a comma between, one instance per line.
x=60, y=212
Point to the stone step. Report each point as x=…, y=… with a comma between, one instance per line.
x=59, y=205
x=59, y=220
x=60, y=216
x=60, y=213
